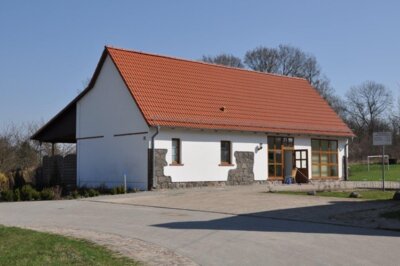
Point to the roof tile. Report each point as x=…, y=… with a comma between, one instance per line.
x=181, y=93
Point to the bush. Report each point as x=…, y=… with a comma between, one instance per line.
x=103, y=189
x=47, y=194
x=92, y=192
x=57, y=192
x=133, y=190
x=4, y=183
x=7, y=195
x=19, y=180
x=17, y=195
x=74, y=194
x=113, y=191
x=35, y=195
x=29, y=193
x=120, y=190
x=117, y=190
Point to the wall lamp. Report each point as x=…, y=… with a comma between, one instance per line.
x=259, y=147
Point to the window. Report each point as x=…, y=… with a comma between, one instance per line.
x=275, y=151
x=225, y=152
x=176, y=151
x=324, y=158
x=301, y=159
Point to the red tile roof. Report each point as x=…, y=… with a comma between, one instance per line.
x=181, y=93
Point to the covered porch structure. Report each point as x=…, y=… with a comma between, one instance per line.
x=57, y=169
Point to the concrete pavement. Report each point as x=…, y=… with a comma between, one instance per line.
x=209, y=236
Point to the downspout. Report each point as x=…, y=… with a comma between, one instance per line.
x=346, y=158
x=346, y=147
x=153, y=160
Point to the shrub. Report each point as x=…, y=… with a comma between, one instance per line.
x=133, y=190
x=57, y=192
x=74, y=194
x=19, y=180
x=7, y=195
x=4, y=183
x=103, y=189
x=47, y=194
x=120, y=190
x=92, y=192
x=35, y=195
x=117, y=190
x=29, y=193
x=17, y=195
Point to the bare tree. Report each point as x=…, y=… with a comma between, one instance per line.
x=285, y=60
x=367, y=104
x=263, y=59
x=291, y=61
x=224, y=59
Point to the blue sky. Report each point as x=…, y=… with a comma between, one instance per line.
x=48, y=49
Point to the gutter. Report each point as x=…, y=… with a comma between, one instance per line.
x=153, y=161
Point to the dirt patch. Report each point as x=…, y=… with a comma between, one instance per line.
x=370, y=218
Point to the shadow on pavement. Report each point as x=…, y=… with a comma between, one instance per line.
x=296, y=220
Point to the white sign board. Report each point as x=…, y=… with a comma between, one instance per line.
x=382, y=138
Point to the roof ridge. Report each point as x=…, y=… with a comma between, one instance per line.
x=201, y=62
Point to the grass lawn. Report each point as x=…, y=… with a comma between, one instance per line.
x=27, y=247
x=359, y=172
x=365, y=194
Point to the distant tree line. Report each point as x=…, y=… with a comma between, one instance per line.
x=365, y=108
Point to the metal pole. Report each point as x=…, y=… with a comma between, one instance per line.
x=125, y=184
x=383, y=167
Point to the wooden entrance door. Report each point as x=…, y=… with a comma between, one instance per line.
x=301, y=163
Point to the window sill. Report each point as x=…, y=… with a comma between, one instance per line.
x=176, y=164
x=273, y=178
x=226, y=164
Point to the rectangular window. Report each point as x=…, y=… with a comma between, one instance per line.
x=176, y=151
x=225, y=152
x=324, y=158
x=275, y=154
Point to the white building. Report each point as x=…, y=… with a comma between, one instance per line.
x=208, y=125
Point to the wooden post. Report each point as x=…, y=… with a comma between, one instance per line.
x=52, y=148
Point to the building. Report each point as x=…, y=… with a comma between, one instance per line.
x=208, y=125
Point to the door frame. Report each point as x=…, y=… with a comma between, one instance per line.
x=306, y=171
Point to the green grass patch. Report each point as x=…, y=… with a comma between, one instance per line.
x=27, y=247
x=365, y=194
x=392, y=215
x=359, y=172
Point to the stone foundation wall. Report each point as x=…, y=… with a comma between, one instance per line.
x=242, y=175
x=162, y=181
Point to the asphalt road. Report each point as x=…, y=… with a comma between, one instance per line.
x=213, y=237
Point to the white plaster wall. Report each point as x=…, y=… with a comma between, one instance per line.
x=200, y=153
x=341, y=153
x=106, y=110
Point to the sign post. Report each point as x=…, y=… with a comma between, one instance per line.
x=382, y=139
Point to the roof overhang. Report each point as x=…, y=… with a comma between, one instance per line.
x=62, y=127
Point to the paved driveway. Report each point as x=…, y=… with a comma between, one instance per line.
x=219, y=226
